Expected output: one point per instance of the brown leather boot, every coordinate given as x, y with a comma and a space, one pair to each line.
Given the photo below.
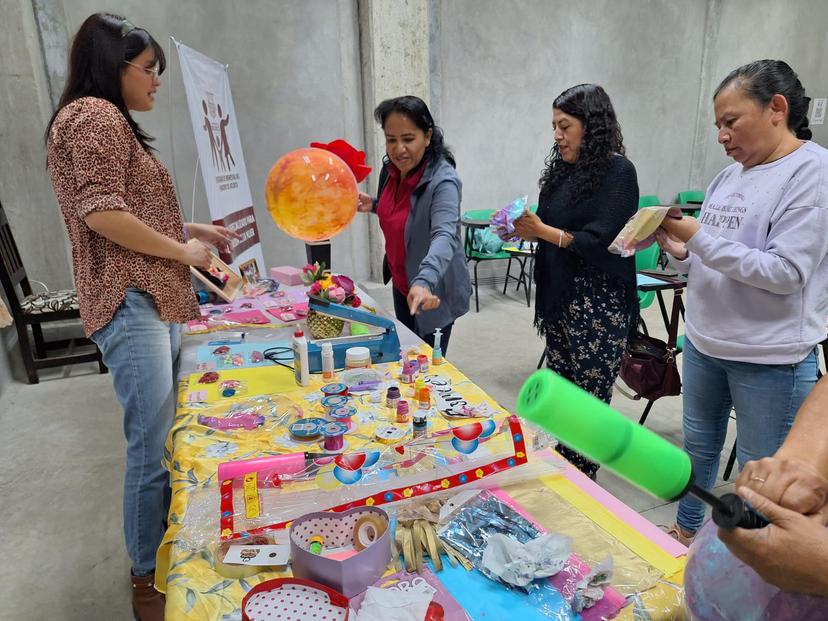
147, 603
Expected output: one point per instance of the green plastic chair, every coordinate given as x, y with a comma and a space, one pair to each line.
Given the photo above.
647, 259
691, 196
472, 253
648, 200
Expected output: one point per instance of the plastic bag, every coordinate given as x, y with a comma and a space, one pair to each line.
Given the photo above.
639, 231
503, 220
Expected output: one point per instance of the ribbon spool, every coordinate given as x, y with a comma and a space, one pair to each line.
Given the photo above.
334, 401
334, 434
389, 434
307, 429
334, 389
343, 414
367, 530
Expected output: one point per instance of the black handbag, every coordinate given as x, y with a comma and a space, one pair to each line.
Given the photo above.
649, 366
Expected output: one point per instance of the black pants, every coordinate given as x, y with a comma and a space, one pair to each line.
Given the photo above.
585, 344
404, 315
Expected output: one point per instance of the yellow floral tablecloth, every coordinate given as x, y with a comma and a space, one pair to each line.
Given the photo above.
195, 591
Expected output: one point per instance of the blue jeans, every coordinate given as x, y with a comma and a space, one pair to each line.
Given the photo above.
765, 398
141, 352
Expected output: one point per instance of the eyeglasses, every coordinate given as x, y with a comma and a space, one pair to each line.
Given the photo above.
153, 71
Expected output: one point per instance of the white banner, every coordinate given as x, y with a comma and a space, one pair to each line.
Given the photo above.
220, 153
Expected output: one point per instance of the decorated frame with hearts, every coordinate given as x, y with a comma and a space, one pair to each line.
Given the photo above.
446, 461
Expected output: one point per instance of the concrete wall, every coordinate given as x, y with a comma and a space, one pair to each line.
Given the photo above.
502, 65
741, 31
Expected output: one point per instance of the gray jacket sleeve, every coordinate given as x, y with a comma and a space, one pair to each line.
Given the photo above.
445, 221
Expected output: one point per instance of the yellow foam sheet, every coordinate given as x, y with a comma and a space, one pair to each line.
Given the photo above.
255, 381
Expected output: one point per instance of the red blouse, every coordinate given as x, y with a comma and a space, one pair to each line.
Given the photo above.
393, 208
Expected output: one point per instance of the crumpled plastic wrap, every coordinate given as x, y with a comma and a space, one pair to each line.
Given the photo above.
503, 220
519, 564
591, 589
478, 520
639, 231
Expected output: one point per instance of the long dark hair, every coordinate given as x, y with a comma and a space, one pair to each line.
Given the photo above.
416, 110
762, 79
100, 48
590, 104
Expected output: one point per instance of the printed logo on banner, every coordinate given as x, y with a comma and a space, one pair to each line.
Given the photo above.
223, 170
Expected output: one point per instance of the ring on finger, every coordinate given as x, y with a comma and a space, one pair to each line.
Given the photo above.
755, 478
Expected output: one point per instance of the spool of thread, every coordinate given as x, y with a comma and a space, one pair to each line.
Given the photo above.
343, 414
307, 429
330, 390
334, 434
315, 544
422, 362
367, 530
424, 398
389, 434
357, 358
392, 397
402, 411
333, 402
408, 372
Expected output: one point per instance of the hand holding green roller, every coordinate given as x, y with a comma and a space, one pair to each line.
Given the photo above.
591, 427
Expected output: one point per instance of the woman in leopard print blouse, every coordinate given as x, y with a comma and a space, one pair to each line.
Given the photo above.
130, 256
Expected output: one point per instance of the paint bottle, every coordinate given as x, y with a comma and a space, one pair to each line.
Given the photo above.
424, 398
301, 370
422, 361
392, 397
437, 352
408, 372
420, 423
419, 384
327, 362
402, 411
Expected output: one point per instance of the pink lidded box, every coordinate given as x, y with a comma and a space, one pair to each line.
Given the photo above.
286, 275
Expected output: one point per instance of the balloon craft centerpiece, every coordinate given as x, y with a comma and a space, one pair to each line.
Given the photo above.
312, 193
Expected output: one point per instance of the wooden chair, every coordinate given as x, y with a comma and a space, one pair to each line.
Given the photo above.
34, 309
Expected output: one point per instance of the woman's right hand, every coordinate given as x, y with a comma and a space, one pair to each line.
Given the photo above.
365, 203
195, 253
671, 245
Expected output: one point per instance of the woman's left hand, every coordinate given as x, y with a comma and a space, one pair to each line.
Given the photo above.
529, 226
218, 236
681, 228
421, 299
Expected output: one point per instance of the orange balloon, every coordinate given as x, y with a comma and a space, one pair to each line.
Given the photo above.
311, 194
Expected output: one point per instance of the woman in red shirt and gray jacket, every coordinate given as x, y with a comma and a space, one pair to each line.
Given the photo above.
418, 205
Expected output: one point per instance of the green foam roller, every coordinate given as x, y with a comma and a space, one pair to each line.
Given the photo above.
588, 425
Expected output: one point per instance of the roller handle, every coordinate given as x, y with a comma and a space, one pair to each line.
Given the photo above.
733, 512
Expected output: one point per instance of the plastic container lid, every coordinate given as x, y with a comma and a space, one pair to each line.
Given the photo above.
357, 357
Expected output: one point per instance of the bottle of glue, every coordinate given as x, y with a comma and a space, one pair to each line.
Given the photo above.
301, 369
437, 352
327, 362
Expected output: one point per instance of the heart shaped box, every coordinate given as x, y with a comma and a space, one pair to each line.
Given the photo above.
352, 575
289, 599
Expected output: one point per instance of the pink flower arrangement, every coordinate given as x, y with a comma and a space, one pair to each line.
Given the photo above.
337, 288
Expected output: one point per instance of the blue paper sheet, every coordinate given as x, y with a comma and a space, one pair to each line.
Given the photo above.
487, 600
208, 361
644, 280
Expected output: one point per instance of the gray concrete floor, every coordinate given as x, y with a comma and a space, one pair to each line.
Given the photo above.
62, 461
